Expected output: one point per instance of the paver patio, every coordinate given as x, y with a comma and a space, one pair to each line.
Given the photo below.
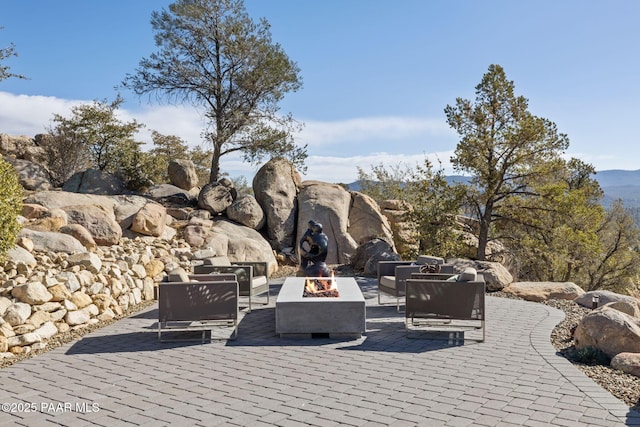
122, 375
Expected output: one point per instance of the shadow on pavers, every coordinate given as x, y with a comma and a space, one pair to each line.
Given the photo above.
124, 343
385, 332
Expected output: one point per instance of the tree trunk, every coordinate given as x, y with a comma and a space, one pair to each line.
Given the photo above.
215, 170
214, 176
483, 232
483, 236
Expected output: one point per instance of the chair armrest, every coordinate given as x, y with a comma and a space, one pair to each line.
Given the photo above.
402, 273
388, 268
244, 274
260, 268
432, 276
214, 277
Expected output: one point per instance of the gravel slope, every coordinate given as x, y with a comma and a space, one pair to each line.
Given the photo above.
623, 386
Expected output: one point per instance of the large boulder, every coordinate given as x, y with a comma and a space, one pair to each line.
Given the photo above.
32, 176
81, 234
182, 174
59, 199
242, 243
628, 363
52, 220
23, 147
404, 232
496, 276
18, 254
626, 307
245, 210
366, 221
495, 250
542, 291
171, 194
608, 330
329, 205
604, 297
367, 256
197, 231
123, 206
276, 186
216, 197
32, 211
99, 221
94, 181
52, 241
150, 220
11, 145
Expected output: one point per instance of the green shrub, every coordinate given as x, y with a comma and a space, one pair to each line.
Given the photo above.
10, 206
590, 356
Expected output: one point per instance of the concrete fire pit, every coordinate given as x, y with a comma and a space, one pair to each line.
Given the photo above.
304, 317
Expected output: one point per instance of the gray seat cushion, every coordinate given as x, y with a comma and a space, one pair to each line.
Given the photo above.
258, 281
388, 281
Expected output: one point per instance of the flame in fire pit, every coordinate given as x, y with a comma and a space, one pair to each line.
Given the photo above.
321, 287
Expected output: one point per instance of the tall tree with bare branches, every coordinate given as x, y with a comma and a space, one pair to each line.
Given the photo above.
213, 55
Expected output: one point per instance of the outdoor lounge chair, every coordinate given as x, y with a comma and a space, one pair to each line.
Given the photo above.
252, 276
197, 306
392, 275
456, 304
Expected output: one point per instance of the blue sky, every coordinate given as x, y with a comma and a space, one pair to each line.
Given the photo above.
377, 75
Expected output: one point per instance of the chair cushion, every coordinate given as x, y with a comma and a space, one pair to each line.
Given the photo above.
258, 281
388, 281
468, 275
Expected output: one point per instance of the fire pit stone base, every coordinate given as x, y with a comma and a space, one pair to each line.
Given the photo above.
303, 317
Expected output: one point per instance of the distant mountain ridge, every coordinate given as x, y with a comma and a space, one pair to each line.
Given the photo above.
620, 184
616, 184
617, 177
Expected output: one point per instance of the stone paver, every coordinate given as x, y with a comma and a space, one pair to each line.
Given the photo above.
122, 375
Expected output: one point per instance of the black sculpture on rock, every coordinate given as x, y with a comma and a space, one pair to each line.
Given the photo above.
313, 251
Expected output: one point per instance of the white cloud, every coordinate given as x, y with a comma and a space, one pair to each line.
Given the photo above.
30, 115
323, 133
182, 121
344, 169
336, 169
